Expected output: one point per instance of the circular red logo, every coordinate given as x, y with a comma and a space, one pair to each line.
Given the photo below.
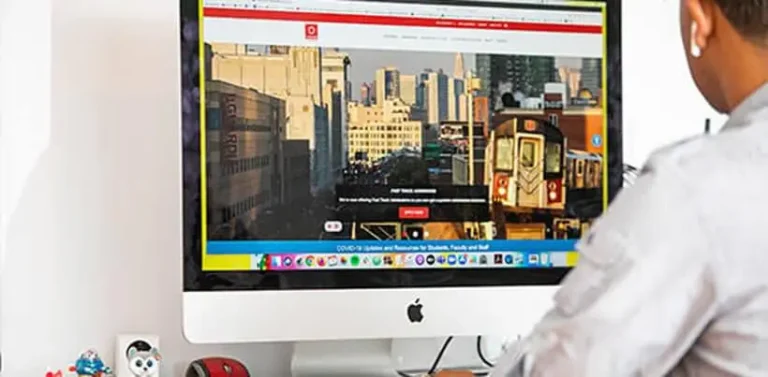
310, 31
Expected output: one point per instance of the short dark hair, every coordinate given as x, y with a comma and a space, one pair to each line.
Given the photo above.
749, 17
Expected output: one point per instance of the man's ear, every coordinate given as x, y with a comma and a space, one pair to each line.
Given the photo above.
702, 15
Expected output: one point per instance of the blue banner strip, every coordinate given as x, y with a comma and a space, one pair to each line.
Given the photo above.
333, 246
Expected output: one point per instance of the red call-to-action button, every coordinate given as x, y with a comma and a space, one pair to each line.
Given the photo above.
414, 213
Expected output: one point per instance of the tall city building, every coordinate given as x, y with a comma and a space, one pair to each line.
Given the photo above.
244, 163
592, 75
456, 88
408, 89
376, 131
336, 110
296, 171
521, 73
483, 68
458, 65
335, 81
365, 94
208, 58
387, 84
297, 73
480, 109
373, 91
296, 78
571, 77
421, 89
436, 96
463, 108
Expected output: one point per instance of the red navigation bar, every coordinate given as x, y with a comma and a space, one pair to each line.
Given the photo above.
364, 19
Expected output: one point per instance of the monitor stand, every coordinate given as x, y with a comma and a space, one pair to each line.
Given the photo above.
382, 358
343, 358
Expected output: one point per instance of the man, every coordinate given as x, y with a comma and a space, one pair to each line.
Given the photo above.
673, 279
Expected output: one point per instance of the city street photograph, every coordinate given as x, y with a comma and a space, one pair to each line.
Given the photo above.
333, 143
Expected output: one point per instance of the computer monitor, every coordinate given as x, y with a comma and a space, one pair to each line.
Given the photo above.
383, 169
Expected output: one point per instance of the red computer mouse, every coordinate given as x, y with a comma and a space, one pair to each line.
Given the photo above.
217, 367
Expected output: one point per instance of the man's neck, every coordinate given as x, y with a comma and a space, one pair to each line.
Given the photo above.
750, 73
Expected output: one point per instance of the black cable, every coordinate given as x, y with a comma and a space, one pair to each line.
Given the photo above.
480, 353
441, 353
478, 374
439, 357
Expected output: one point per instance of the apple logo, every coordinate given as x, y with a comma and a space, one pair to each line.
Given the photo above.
414, 312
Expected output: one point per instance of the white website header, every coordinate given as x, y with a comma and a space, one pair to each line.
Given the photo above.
505, 13
316, 23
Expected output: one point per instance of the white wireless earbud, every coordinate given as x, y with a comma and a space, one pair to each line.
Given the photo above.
695, 49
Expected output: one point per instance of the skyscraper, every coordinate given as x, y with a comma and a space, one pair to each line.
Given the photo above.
571, 77
437, 97
387, 84
458, 66
455, 89
483, 68
365, 94
295, 78
335, 94
421, 89
408, 89
372, 92
592, 75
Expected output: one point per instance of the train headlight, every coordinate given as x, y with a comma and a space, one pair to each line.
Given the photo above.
500, 186
553, 192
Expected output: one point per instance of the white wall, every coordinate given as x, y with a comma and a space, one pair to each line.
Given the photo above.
93, 239
90, 207
661, 102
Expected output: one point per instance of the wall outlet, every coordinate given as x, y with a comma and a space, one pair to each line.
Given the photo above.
147, 347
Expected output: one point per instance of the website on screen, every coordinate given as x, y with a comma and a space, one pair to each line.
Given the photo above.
348, 134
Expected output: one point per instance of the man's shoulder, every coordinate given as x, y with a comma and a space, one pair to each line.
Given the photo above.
717, 182
671, 155
680, 164
707, 162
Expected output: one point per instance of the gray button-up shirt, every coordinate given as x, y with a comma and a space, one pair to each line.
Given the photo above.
673, 278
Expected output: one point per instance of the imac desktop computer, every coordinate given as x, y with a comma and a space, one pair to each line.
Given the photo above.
390, 169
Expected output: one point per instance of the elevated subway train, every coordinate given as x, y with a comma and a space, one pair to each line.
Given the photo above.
533, 176
584, 170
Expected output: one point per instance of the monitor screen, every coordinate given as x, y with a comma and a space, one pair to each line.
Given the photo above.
371, 144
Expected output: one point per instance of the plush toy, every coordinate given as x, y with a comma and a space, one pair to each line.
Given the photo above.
89, 364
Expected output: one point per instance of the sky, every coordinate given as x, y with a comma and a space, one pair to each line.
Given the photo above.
365, 62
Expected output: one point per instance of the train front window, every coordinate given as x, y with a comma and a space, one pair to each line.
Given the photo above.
553, 161
527, 153
505, 154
